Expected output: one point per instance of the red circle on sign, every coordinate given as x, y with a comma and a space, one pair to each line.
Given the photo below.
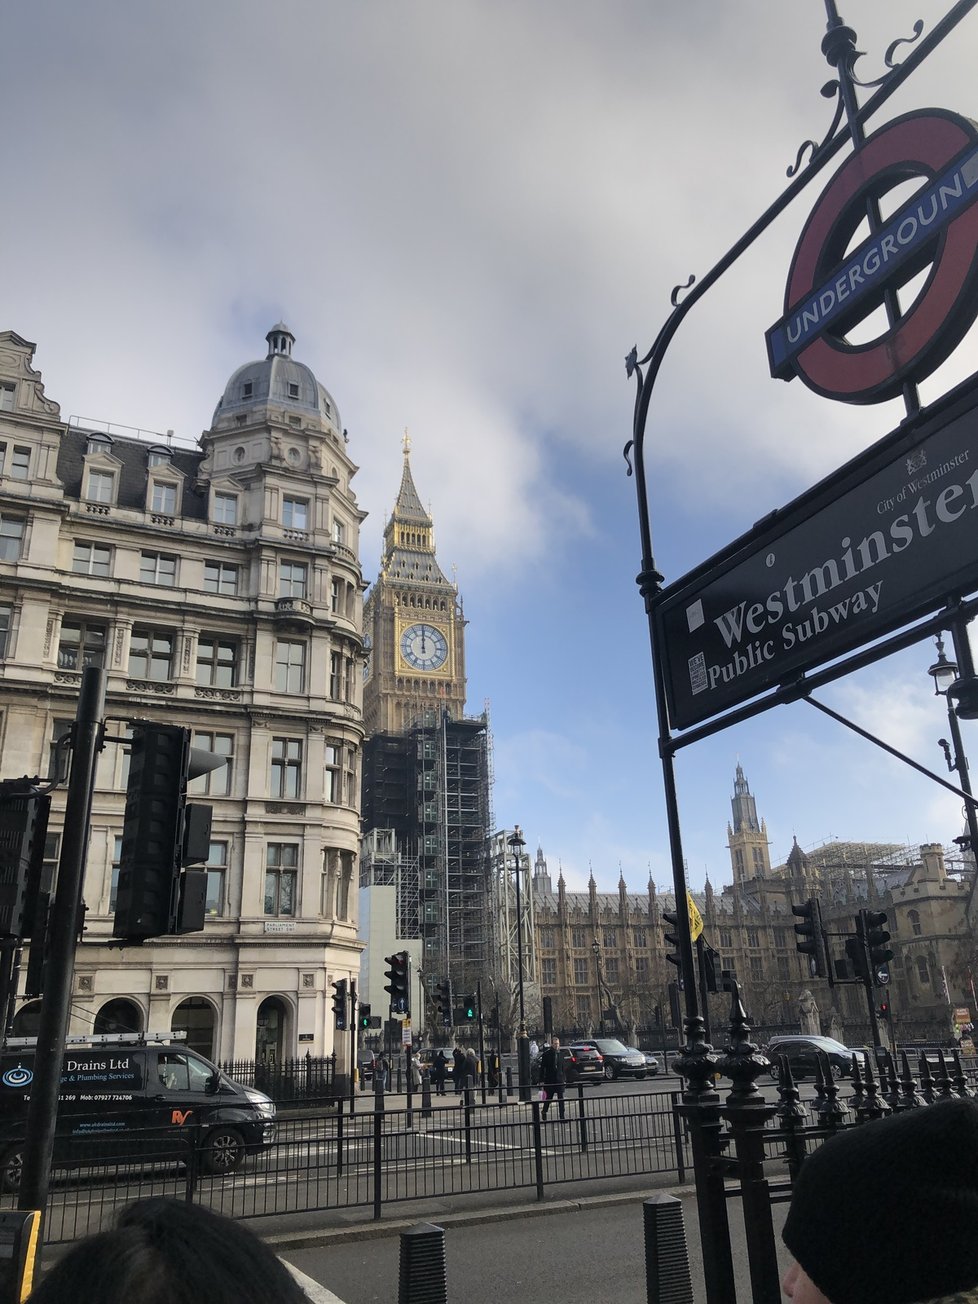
918, 144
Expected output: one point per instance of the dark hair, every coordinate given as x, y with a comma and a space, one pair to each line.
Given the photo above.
170, 1252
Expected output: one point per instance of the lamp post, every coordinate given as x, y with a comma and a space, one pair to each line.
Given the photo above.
948, 685
517, 844
596, 948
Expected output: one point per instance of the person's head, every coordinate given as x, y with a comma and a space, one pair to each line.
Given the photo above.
555, 1042
887, 1212
169, 1252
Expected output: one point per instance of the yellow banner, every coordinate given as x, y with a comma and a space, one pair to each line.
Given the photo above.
695, 918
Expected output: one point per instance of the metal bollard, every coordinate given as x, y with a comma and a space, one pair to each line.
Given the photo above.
509, 1080
422, 1267
667, 1276
426, 1094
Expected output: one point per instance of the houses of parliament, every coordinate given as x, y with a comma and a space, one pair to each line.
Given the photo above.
926, 894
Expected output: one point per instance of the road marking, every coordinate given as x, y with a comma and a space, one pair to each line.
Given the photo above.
313, 1290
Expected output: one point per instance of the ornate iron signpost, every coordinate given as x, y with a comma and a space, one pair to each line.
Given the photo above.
888, 540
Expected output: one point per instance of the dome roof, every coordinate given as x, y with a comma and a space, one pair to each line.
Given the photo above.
278, 381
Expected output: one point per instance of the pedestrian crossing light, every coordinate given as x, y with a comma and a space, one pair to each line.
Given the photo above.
340, 1004
364, 1015
470, 1009
397, 982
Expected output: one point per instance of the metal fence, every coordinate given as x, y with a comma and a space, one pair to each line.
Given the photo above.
337, 1159
286, 1081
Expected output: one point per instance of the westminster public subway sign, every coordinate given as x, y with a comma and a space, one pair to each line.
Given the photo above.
877, 544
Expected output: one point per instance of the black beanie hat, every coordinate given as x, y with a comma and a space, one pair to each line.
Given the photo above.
887, 1212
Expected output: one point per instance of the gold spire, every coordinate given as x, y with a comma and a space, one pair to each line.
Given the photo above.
406, 442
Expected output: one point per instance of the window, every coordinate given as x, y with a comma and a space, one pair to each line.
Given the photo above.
292, 579
216, 783
247, 389
583, 1010
611, 937
352, 787
59, 759
753, 937
158, 568
640, 937
293, 389
333, 752
611, 968
335, 675
281, 869
52, 853
546, 936
726, 939
217, 661
91, 558
286, 779
158, 457
577, 937
783, 974
295, 513
641, 966
164, 498
217, 864
335, 595
6, 616
82, 644
338, 532
220, 578
8, 393
226, 509
739, 859
18, 466
580, 972
114, 881
11, 537
914, 917
151, 654
181, 1073
923, 973
756, 969
548, 972
101, 485
290, 666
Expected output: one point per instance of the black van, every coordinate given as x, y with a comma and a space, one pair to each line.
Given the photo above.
137, 1099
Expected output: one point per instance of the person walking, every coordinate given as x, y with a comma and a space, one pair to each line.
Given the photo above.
552, 1077
415, 1072
439, 1072
887, 1212
471, 1068
458, 1069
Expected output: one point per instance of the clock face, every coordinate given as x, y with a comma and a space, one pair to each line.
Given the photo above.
424, 647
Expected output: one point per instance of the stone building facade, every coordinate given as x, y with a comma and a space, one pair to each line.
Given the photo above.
218, 584
749, 923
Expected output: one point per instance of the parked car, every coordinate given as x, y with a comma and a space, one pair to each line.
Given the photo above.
582, 1063
651, 1060
801, 1054
620, 1061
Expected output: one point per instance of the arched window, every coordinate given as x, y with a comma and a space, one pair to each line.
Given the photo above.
119, 1015
923, 973
195, 1017
914, 917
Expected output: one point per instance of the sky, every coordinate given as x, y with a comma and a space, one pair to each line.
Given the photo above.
468, 212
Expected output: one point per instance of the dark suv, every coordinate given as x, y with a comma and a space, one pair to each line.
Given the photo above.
620, 1061
582, 1063
802, 1052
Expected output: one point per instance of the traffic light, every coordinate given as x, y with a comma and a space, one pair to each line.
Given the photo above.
443, 995
397, 982
876, 936
675, 1009
810, 940
856, 951
710, 958
469, 1009
23, 827
672, 939
340, 1004
162, 834
364, 1018
884, 1009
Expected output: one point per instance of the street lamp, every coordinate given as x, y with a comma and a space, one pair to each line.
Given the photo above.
948, 685
596, 948
517, 844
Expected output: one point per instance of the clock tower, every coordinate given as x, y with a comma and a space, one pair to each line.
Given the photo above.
413, 625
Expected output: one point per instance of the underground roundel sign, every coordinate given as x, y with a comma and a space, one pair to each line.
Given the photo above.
846, 267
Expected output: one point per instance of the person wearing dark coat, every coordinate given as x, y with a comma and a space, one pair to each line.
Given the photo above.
439, 1071
552, 1077
458, 1069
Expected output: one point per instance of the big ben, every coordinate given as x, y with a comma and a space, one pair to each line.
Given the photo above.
413, 624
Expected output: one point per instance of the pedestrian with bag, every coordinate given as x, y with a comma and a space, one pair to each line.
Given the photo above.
439, 1072
552, 1077
458, 1069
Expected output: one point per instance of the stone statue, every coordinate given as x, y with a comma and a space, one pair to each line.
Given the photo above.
836, 1029
808, 1015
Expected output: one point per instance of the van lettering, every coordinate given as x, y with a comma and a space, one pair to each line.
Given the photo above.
180, 1116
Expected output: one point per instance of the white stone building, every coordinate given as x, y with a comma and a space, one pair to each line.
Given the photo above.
219, 585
